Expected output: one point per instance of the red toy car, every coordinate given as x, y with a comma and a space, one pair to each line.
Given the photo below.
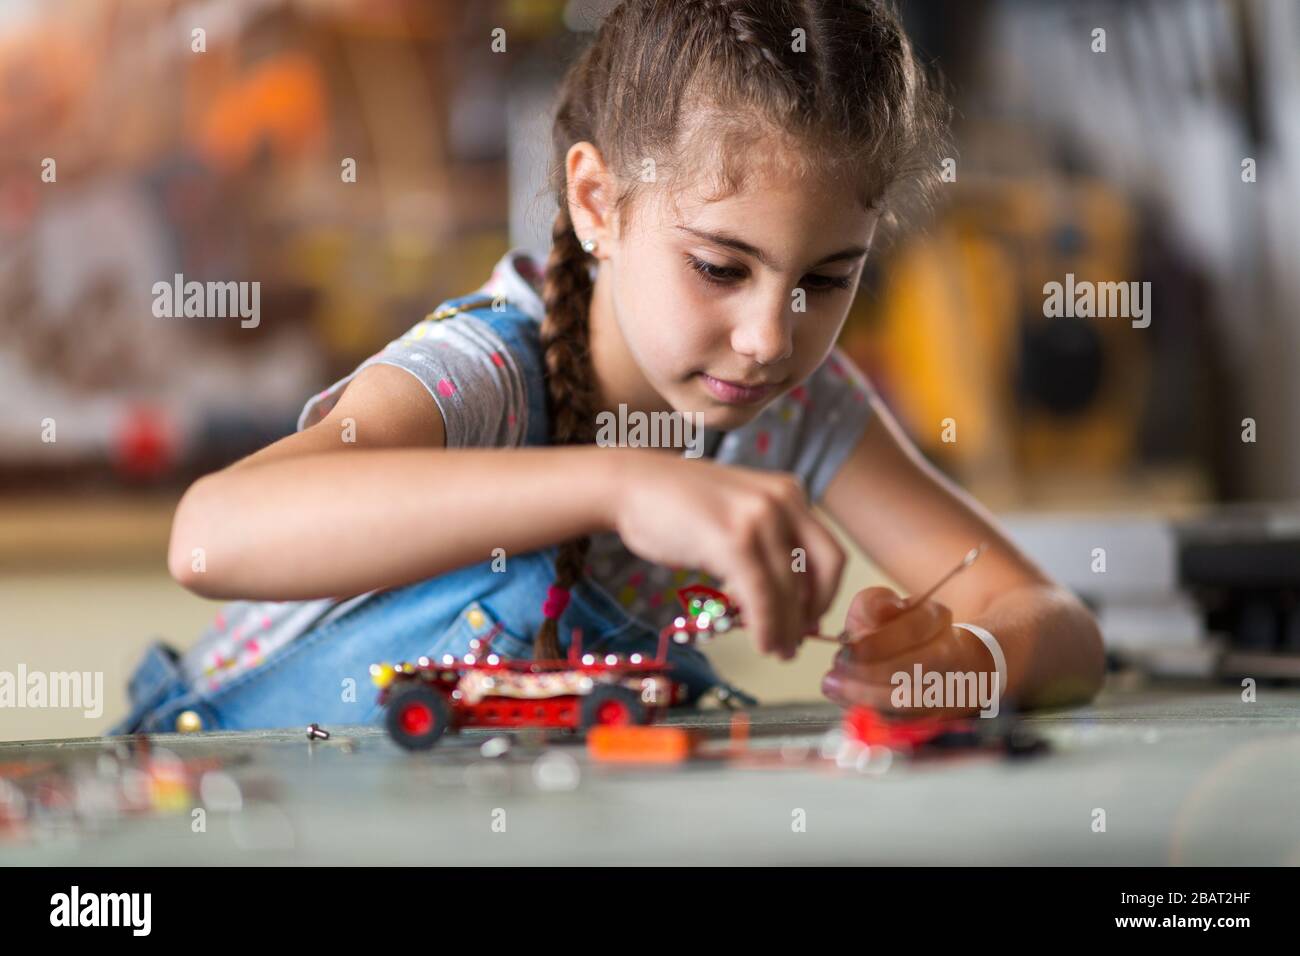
871, 728
426, 699
926, 734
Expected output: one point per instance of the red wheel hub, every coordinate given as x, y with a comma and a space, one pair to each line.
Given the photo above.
417, 719
612, 712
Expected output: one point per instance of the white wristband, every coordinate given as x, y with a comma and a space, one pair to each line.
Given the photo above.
999, 659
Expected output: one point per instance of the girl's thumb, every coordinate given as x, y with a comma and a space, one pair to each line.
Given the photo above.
872, 607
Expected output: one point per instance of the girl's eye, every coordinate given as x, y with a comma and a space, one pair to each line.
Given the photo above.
827, 283
721, 275
718, 275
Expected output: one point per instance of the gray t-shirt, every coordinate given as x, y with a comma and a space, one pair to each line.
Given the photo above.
479, 388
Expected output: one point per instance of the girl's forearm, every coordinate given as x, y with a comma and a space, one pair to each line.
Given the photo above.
335, 524
1053, 649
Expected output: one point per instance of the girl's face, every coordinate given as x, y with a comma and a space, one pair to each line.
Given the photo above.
750, 290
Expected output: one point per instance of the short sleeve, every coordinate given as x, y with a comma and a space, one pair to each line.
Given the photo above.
470, 372
811, 429
838, 409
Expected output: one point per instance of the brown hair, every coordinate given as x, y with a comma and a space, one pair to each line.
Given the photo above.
694, 85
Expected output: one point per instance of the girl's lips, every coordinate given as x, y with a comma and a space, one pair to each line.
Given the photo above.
735, 394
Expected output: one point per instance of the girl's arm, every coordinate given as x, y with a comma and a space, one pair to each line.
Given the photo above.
915, 524
314, 515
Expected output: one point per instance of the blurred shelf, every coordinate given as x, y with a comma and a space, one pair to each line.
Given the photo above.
1173, 492
43, 533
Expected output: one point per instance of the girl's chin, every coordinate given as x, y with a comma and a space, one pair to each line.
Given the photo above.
722, 417
716, 417
727, 419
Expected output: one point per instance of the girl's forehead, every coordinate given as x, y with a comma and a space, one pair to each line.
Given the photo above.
784, 194
748, 146
752, 180
782, 229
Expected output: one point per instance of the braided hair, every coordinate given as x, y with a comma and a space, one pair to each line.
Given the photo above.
570, 395
704, 88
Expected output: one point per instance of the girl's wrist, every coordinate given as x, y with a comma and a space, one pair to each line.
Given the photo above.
984, 648
613, 474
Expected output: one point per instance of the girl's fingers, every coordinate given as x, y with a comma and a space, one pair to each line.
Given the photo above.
906, 631
825, 560
846, 690
879, 673
872, 608
775, 545
748, 580
941, 654
779, 602
813, 586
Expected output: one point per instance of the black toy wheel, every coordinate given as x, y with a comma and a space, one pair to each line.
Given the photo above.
612, 705
417, 716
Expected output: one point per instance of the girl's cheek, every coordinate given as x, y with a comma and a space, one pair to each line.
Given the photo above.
813, 343
664, 342
689, 322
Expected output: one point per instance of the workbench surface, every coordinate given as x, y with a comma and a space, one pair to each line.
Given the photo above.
1186, 774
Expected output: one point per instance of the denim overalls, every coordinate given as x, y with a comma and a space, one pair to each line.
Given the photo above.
322, 676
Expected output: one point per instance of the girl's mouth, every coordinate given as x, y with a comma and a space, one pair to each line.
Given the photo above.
734, 394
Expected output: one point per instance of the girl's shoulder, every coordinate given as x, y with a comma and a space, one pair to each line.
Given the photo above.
811, 429
478, 357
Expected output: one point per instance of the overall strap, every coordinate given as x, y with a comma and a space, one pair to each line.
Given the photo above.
522, 335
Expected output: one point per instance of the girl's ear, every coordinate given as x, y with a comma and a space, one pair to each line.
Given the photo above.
590, 192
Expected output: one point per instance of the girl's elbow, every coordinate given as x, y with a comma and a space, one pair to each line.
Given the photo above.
1095, 655
1078, 668
1090, 654
186, 572
186, 551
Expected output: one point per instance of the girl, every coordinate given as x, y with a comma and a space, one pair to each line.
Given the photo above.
720, 168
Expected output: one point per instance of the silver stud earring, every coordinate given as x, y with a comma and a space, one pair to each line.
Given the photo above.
589, 245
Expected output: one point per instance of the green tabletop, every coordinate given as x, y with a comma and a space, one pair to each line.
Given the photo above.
1185, 774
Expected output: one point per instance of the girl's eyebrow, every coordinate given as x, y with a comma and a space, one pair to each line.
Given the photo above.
740, 245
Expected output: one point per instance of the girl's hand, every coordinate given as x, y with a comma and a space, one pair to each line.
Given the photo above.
741, 525
896, 639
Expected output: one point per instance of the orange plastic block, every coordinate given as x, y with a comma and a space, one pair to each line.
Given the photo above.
633, 744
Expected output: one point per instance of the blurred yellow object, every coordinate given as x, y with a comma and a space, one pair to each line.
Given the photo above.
169, 791
950, 326
381, 675
188, 722
948, 309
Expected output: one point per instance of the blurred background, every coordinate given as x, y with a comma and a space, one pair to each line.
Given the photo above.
1153, 469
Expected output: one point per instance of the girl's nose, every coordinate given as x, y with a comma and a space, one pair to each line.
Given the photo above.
765, 333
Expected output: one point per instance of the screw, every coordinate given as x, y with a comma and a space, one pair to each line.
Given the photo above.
315, 732
1020, 743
